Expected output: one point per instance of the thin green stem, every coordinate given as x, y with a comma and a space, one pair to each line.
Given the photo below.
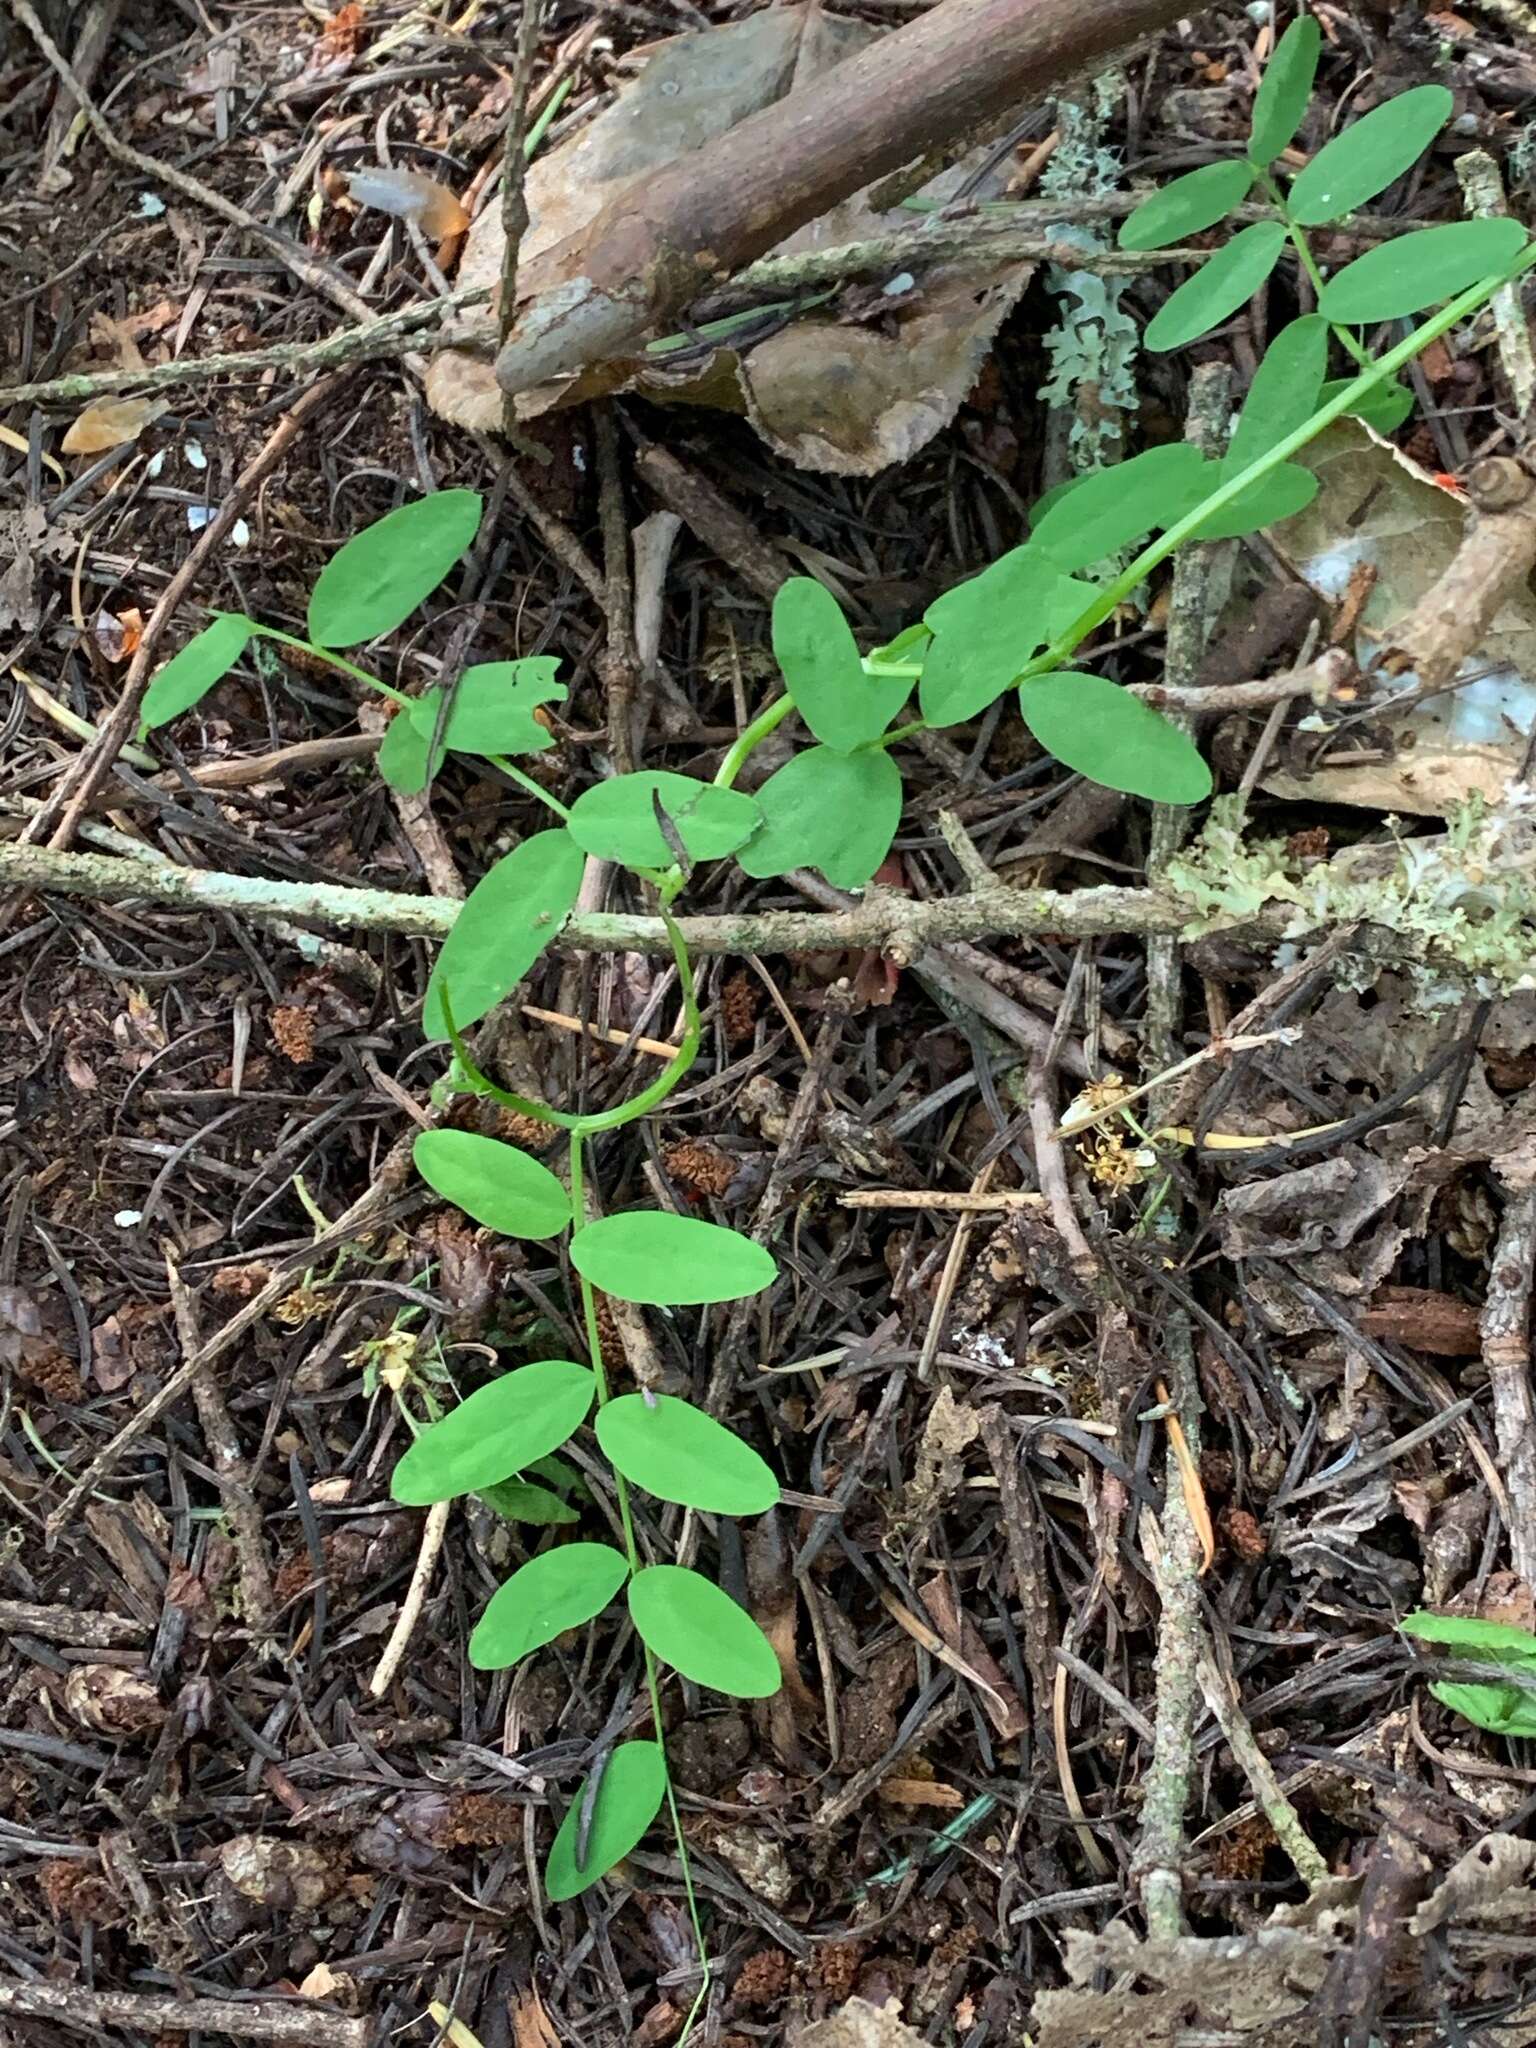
526, 781
334, 660
1303, 248
632, 1554
752, 736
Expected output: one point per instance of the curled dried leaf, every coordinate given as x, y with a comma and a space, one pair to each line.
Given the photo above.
109, 423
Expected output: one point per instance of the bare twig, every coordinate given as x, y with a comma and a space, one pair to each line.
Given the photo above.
1483, 190
1506, 1337
1221, 1696
302, 2024
433, 1530
85, 1627
980, 1202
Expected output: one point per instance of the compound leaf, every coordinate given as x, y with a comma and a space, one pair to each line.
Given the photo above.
524, 1415
630, 1789
835, 812
510, 916
1092, 725
689, 1623
557, 1590
679, 1453
667, 1261
819, 657
496, 1184
1369, 156
380, 576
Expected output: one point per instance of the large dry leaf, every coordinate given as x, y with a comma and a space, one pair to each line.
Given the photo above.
109, 423
829, 395
1374, 509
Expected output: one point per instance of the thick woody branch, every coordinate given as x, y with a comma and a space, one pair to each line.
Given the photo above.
1451, 619
305, 2025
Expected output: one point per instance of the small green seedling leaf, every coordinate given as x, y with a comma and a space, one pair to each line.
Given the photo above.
1109, 509
1419, 270
190, 675
1490, 1642
384, 572
616, 820
507, 921
1225, 281
629, 1795
494, 1183
1369, 156
516, 1500
524, 1415
557, 1590
1285, 390
679, 1453
1187, 206
835, 812
987, 629
1282, 492
819, 659
1092, 725
910, 644
688, 1622
1385, 405
493, 707
1284, 90
1501, 1709
667, 1261
405, 754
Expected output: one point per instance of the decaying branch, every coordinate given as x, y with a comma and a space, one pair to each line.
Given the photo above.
1451, 619
301, 2024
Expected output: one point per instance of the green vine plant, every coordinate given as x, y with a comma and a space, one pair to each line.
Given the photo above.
834, 805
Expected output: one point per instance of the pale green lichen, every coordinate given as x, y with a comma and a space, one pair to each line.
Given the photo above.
1461, 906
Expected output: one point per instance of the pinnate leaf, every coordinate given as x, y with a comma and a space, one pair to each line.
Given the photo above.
679, 1453
496, 1184
987, 629
524, 1415
1092, 725
509, 918
1284, 90
191, 674
1187, 206
1225, 281
1285, 390
1369, 156
629, 1795
688, 1622
380, 576
1420, 269
835, 812
667, 1261
819, 659
493, 706
557, 1590
1111, 508
616, 820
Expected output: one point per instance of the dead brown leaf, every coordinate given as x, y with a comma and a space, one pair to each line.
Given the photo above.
110, 423
407, 195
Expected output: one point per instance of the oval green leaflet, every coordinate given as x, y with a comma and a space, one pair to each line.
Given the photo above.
1419, 270
1109, 509
689, 1623
987, 629
1385, 406
499, 1430
666, 1261
380, 576
1101, 730
616, 820
190, 675
819, 659
1369, 156
493, 707
405, 755
1284, 391
518, 1500
510, 916
835, 812
557, 1590
679, 1453
1187, 206
1225, 281
630, 1788
1284, 491
1284, 90
494, 1183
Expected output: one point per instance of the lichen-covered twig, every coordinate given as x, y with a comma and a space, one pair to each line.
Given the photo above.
1483, 190
1506, 1320
301, 2024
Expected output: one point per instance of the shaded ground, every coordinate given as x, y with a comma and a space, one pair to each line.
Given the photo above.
971, 1412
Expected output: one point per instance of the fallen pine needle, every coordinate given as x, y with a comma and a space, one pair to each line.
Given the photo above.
656, 1047
1194, 1492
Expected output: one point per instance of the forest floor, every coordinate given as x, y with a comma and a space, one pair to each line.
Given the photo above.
1114, 1465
